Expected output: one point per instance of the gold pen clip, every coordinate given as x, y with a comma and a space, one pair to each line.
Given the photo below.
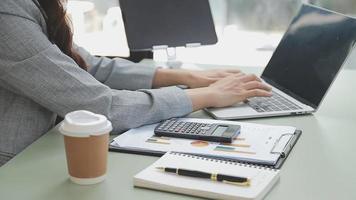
214, 177
247, 183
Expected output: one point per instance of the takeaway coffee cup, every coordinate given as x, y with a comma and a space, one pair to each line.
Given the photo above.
86, 137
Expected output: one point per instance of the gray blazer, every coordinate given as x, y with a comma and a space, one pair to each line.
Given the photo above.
39, 82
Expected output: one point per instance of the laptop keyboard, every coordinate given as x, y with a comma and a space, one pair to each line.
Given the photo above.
274, 103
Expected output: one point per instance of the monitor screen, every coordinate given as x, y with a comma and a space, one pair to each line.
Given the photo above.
173, 23
311, 53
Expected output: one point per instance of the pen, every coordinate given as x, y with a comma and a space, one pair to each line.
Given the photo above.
236, 180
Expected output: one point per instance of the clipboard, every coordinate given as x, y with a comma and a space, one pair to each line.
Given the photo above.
283, 155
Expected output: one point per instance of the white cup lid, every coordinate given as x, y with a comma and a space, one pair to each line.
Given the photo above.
84, 123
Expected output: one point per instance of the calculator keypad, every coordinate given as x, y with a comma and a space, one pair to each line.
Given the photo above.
182, 127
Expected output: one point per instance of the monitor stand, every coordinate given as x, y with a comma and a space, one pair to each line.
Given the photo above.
172, 61
171, 55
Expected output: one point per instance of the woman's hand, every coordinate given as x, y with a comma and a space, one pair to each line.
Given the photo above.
190, 78
197, 79
228, 91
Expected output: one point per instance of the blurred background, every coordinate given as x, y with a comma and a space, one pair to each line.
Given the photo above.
248, 30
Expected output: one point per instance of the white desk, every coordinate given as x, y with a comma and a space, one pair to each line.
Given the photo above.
321, 165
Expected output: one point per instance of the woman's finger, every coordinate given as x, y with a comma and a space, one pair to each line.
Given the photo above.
248, 78
239, 74
233, 71
257, 93
224, 74
256, 85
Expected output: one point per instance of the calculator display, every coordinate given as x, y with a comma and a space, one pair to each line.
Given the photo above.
219, 130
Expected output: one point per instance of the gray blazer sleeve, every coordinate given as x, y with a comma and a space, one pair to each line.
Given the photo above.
33, 67
118, 73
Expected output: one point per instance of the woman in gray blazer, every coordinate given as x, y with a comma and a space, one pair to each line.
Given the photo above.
42, 75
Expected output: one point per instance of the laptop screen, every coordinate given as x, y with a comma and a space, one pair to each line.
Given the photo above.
311, 53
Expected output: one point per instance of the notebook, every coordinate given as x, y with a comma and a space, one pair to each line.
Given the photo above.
262, 179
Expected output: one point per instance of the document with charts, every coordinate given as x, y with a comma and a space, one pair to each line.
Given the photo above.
258, 144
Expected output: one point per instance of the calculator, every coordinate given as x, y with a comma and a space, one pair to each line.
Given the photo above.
200, 131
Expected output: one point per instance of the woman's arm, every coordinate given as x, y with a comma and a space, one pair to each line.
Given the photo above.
123, 74
33, 67
118, 73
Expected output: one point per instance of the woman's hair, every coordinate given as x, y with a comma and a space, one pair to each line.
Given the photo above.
59, 30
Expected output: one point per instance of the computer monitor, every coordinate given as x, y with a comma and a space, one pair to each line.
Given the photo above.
170, 23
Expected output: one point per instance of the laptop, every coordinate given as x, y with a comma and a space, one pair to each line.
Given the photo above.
303, 66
